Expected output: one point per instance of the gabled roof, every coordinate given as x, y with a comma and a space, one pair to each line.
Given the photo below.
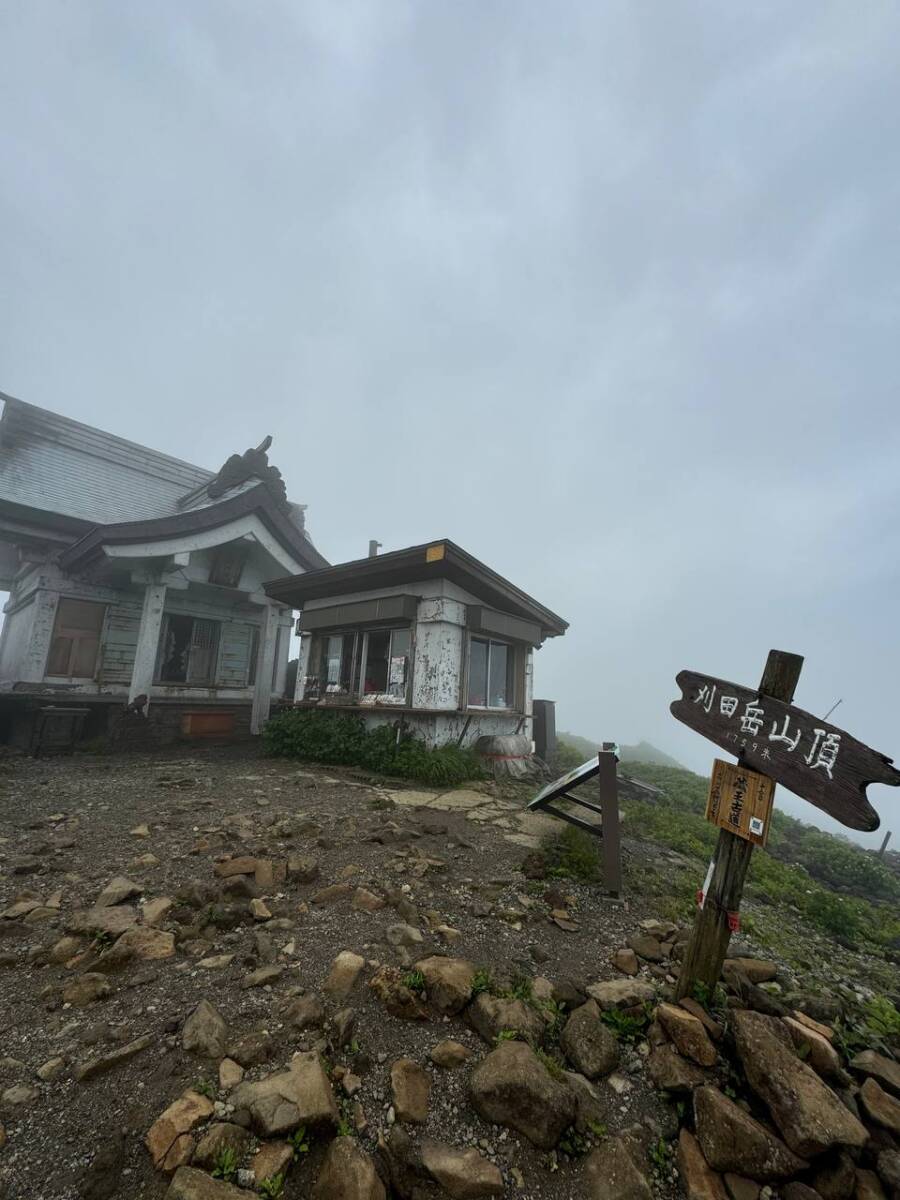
257, 500
441, 559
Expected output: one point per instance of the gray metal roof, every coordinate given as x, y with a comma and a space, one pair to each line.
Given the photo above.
60, 466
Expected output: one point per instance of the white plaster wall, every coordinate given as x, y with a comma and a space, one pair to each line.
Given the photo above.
15, 640
439, 730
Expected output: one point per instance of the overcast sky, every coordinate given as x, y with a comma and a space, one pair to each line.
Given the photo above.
607, 293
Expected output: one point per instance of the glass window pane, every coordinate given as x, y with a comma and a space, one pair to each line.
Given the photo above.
499, 676
331, 663
478, 660
377, 661
399, 665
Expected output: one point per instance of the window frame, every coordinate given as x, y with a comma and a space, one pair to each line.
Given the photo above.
359, 658
76, 637
514, 698
187, 682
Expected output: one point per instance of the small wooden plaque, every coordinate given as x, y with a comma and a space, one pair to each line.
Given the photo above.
740, 801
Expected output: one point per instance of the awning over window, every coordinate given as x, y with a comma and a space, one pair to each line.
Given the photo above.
385, 611
487, 620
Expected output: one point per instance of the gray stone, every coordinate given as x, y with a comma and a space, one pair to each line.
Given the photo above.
613, 1175
205, 1032
588, 1044
117, 891
301, 1095
347, 1173
463, 1174
512, 1087
621, 993
491, 1015
731, 1140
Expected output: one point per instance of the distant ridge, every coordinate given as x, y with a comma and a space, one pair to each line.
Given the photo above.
643, 752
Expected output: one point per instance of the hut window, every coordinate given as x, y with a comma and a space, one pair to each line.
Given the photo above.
491, 682
76, 638
189, 649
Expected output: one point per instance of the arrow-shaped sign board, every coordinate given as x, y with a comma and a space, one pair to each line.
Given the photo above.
817, 761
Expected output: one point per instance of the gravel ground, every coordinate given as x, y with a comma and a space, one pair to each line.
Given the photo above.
68, 827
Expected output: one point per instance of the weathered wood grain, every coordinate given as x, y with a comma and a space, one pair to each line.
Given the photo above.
815, 760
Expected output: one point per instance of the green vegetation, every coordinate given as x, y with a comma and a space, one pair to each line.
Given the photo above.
835, 885
342, 739
226, 1164
580, 749
272, 1188
506, 1035
573, 854
205, 1088
414, 980
628, 1027
300, 1141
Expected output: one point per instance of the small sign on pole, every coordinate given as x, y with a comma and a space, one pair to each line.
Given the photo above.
740, 801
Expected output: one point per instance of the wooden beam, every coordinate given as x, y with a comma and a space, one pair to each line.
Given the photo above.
708, 946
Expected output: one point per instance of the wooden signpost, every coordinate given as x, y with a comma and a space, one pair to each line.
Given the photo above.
778, 743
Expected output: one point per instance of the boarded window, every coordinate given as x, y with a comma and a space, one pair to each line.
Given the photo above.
228, 564
76, 638
188, 649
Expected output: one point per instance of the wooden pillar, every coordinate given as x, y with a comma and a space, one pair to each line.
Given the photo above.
708, 946
148, 642
609, 805
265, 668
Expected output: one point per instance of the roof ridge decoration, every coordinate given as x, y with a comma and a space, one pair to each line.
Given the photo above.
252, 464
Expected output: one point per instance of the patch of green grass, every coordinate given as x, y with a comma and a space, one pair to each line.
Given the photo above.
206, 1088
507, 1035
226, 1164
481, 982
627, 1026
272, 1188
300, 1141
551, 1064
573, 854
414, 980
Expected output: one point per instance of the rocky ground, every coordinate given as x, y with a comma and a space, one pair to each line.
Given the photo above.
212, 965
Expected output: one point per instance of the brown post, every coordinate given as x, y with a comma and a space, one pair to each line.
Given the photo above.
609, 807
884, 844
711, 933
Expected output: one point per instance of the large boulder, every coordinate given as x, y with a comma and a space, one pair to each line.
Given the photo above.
808, 1114
512, 1087
672, 1073
448, 982
463, 1174
347, 1174
218, 1138
612, 1174
301, 1095
205, 1032
491, 1015
411, 1089
588, 1044
817, 1049
732, 1140
399, 1000
141, 943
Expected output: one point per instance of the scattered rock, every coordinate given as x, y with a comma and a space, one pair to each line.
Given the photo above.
271, 1159
303, 869
19, 1095
85, 989
153, 912
868, 1186
672, 1073
613, 1175
169, 1138
260, 911
411, 1089
108, 1062
512, 1087
305, 1011
448, 982
621, 993
101, 1178
732, 1140
235, 866
889, 1169
756, 969
449, 1054
366, 901
140, 942
347, 1173
808, 1114
252, 1049
344, 974
262, 976
402, 935
713, 1028
301, 1095
688, 1034
230, 1074
626, 962
835, 1179
399, 1000
885, 1070
463, 1174
108, 921
821, 1055
219, 1137
740, 1188
491, 1015
880, 1106
117, 891
588, 1044
646, 947
699, 1180
205, 1032
190, 1184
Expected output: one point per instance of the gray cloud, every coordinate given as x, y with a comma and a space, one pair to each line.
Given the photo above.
608, 294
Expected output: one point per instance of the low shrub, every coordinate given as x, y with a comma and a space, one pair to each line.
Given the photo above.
342, 739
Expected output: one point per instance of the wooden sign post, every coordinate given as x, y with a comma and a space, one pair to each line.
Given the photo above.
708, 946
